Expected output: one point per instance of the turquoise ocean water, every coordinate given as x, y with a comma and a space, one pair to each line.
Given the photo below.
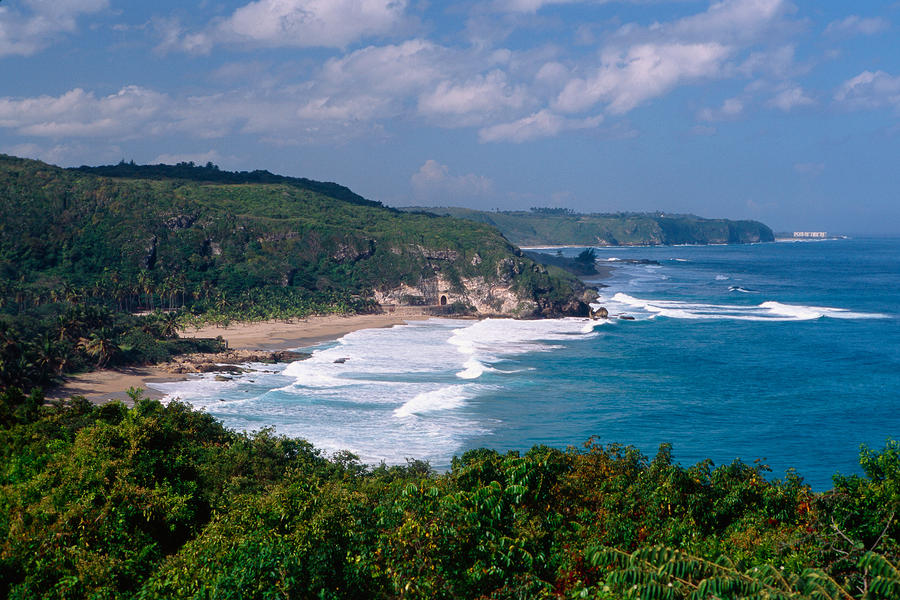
786, 352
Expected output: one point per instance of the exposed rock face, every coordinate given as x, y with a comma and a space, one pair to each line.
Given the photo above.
150, 257
352, 252
482, 297
180, 222
430, 254
229, 361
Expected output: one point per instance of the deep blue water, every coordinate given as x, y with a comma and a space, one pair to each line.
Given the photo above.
787, 352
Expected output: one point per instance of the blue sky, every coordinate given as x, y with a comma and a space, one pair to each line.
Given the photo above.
787, 112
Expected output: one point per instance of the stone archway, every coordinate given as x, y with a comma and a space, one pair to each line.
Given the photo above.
443, 300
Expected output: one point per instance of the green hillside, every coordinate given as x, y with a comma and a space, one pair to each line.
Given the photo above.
218, 246
192, 231
559, 227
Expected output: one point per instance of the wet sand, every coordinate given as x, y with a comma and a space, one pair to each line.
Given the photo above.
113, 384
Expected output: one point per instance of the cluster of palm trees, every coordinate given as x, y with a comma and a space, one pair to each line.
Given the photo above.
36, 352
47, 331
143, 291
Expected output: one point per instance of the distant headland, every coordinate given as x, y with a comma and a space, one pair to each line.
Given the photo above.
561, 226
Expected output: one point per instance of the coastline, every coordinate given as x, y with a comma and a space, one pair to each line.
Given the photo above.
113, 384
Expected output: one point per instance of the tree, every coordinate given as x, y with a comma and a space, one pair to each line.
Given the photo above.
100, 345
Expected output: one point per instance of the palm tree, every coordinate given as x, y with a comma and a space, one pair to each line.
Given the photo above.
145, 284
100, 345
169, 324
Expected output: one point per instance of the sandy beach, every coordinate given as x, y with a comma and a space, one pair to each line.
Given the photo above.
113, 384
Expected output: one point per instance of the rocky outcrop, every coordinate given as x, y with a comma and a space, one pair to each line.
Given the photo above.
483, 297
149, 259
354, 251
229, 361
180, 222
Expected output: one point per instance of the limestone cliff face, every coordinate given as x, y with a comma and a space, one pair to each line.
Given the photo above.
476, 294
482, 297
491, 283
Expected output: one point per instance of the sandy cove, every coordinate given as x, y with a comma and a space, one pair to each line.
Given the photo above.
268, 336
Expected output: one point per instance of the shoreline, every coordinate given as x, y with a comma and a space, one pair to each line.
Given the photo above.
113, 384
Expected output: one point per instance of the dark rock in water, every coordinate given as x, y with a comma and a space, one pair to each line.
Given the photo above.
289, 356
600, 313
214, 368
340, 361
626, 317
222, 378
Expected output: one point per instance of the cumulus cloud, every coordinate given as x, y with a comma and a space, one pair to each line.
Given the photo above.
856, 25
538, 125
790, 98
434, 184
79, 113
32, 25
471, 101
643, 72
642, 63
509, 95
870, 90
736, 21
298, 23
530, 6
731, 109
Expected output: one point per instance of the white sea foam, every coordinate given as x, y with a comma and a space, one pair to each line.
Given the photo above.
492, 340
622, 303
722, 277
385, 394
445, 398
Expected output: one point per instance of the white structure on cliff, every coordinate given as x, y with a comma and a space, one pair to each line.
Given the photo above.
809, 234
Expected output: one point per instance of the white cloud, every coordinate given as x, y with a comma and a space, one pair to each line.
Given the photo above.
298, 23
870, 90
538, 125
34, 24
433, 183
78, 113
731, 109
790, 98
645, 71
733, 21
471, 101
856, 25
530, 6
641, 63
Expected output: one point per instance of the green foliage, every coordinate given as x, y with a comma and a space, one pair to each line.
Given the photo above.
550, 226
162, 502
83, 250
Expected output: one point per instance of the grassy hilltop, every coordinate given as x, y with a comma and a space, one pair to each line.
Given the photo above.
549, 226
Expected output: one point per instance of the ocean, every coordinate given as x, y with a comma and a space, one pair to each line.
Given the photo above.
784, 352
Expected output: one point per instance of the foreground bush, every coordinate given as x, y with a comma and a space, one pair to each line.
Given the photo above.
163, 502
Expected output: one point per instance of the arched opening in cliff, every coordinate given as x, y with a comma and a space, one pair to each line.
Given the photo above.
443, 300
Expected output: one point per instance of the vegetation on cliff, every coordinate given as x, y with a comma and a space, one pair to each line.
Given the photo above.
163, 502
218, 246
547, 226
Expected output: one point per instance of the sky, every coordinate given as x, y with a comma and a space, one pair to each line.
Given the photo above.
786, 112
